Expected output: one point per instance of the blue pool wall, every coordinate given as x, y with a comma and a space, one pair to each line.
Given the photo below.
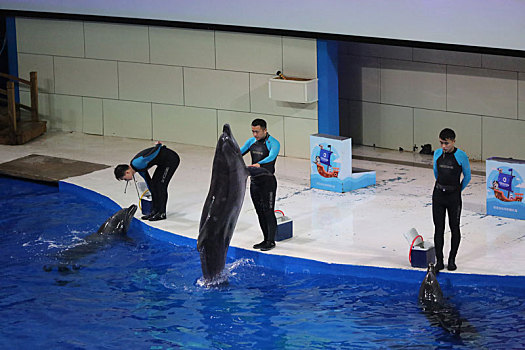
290, 265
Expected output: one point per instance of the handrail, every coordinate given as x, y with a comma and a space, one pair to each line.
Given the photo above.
12, 105
12, 77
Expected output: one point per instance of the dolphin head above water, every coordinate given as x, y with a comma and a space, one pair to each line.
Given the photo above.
118, 223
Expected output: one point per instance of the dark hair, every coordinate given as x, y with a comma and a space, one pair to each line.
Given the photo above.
447, 134
120, 171
259, 122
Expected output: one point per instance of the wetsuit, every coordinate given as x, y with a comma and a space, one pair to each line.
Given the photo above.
447, 197
167, 162
263, 188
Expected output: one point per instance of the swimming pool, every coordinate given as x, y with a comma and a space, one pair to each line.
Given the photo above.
144, 294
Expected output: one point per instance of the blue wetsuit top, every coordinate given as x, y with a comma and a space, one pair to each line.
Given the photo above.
263, 152
449, 166
145, 160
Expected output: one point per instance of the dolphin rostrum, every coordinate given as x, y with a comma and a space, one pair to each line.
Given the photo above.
434, 305
223, 203
113, 228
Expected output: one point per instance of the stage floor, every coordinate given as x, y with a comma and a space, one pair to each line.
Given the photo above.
362, 227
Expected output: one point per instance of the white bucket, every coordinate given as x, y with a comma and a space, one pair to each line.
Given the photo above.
413, 238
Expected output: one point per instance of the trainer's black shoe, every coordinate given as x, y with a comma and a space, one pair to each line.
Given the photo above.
259, 245
451, 266
146, 217
268, 246
157, 217
439, 265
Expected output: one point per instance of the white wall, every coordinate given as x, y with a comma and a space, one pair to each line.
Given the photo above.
401, 96
164, 83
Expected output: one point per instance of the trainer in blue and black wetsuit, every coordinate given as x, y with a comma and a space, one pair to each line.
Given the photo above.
263, 149
167, 161
449, 163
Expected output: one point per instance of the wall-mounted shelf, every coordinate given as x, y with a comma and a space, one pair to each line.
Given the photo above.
293, 90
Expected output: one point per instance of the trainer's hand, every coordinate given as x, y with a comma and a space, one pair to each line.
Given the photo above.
157, 143
256, 165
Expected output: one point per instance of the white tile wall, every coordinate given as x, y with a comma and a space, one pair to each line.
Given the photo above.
248, 52
150, 83
44, 103
50, 37
190, 125
413, 84
93, 118
388, 126
127, 119
121, 42
428, 124
216, 89
43, 65
482, 91
168, 83
86, 77
182, 47
503, 138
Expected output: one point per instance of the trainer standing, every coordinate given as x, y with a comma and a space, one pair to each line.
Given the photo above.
263, 149
449, 163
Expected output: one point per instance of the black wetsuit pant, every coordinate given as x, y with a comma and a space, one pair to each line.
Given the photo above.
160, 180
262, 191
450, 203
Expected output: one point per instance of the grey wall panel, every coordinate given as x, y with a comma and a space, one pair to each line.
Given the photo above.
359, 78
300, 57
413, 84
428, 124
216, 89
182, 47
388, 126
503, 138
120, 42
93, 116
127, 119
86, 77
482, 91
50, 37
455, 58
42, 65
150, 83
248, 52
193, 126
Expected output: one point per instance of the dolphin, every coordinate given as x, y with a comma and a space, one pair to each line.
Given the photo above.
113, 228
434, 305
223, 204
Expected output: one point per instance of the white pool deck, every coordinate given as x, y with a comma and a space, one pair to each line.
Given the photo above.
362, 227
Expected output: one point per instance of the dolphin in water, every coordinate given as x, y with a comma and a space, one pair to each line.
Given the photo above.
113, 228
223, 204
434, 305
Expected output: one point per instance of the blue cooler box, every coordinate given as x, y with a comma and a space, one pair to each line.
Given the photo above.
422, 255
284, 228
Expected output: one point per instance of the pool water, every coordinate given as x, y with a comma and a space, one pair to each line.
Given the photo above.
144, 294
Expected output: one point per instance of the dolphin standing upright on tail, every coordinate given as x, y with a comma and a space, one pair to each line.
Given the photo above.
223, 203
434, 306
113, 228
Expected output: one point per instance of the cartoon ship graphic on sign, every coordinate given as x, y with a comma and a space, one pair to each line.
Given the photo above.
322, 161
504, 184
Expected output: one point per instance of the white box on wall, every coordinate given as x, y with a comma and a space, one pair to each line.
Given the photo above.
292, 90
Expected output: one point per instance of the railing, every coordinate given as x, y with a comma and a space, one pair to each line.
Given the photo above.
11, 103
